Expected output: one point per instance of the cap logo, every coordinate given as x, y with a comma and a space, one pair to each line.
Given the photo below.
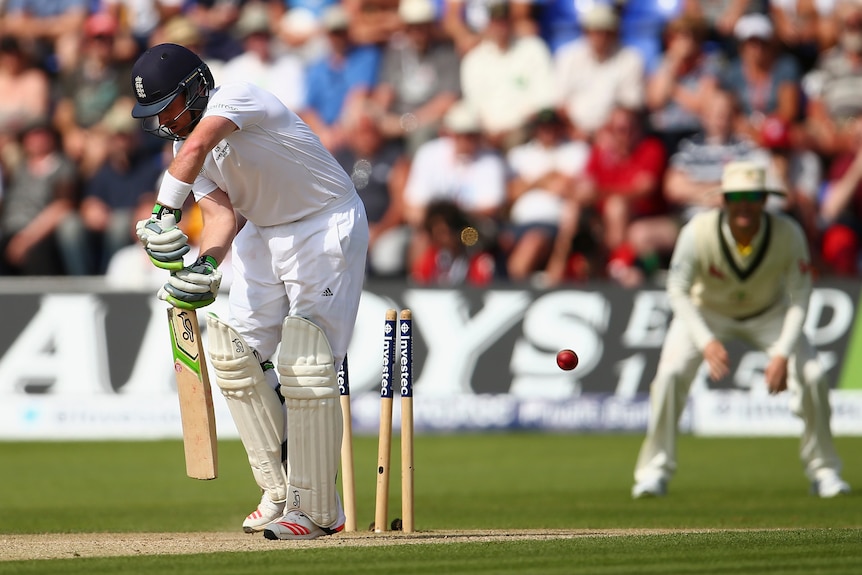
139, 87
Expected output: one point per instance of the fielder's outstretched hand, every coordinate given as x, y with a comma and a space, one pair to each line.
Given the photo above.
776, 374
193, 286
717, 360
164, 242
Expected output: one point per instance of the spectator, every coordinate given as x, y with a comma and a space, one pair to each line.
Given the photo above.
622, 185
464, 20
451, 257
339, 83
88, 91
695, 169
764, 80
283, 75
722, 16
506, 78
48, 30
595, 73
641, 26
127, 174
797, 172
419, 79
379, 171
215, 19
683, 81
834, 85
300, 29
140, 18
372, 21
456, 167
841, 211
42, 194
798, 27
543, 173
24, 96
183, 31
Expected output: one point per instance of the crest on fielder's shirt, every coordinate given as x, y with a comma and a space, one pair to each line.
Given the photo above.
715, 272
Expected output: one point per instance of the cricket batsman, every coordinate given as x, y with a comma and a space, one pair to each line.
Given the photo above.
739, 272
270, 192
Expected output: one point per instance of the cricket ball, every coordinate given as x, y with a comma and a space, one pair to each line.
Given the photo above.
567, 359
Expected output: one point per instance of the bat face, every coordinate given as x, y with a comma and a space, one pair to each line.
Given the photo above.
193, 390
185, 334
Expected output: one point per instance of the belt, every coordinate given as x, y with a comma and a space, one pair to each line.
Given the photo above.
758, 313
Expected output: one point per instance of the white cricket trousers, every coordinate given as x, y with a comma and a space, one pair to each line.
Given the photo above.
680, 359
313, 268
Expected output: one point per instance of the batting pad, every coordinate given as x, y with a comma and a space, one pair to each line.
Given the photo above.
254, 405
310, 390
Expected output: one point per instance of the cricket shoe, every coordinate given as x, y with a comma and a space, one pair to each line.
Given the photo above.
297, 525
649, 488
829, 484
267, 512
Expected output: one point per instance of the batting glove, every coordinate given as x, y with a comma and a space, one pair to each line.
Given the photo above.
163, 241
193, 286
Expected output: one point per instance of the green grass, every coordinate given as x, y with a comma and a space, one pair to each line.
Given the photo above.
509, 482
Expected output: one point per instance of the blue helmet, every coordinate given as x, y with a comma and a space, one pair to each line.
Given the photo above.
159, 76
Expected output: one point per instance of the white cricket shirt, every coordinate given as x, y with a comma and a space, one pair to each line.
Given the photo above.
274, 168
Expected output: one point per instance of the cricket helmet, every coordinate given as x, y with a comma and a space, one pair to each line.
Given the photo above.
160, 75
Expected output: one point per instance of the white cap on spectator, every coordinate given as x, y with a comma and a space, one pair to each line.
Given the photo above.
254, 19
462, 118
299, 21
600, 17
181, 30
416, 11
753, 26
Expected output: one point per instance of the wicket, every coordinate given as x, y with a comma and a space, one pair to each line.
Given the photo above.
403, 336
347, 480
404, 350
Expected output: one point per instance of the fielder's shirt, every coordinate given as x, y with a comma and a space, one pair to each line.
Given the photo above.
709, 272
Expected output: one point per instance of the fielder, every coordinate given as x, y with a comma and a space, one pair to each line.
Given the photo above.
299, 265
739, 272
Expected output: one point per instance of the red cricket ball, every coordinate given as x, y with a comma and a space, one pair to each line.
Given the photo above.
567, 359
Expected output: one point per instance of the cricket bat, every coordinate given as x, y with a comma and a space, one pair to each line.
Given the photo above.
193, 389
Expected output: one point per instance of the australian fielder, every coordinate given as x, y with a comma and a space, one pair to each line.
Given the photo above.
739, 272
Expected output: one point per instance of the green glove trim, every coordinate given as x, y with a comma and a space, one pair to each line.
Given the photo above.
173, 266
190, 305
159, 210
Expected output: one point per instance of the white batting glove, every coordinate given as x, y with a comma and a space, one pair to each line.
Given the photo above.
193, 286
164, 242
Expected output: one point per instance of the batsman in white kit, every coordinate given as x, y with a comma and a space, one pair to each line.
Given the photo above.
739, 272
270, 192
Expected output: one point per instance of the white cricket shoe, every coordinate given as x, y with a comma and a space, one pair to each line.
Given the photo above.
297, 525
829, 484
649, 488
267, 512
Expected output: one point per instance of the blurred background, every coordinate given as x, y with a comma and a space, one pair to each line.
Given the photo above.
526, 167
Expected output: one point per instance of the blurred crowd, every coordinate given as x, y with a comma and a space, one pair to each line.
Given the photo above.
540, 141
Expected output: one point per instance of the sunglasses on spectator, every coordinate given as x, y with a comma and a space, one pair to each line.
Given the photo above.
753, 197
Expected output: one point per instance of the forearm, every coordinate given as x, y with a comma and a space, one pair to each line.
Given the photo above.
840, 192
47, 220
220, 225
661, 85
185, 167
790, 331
